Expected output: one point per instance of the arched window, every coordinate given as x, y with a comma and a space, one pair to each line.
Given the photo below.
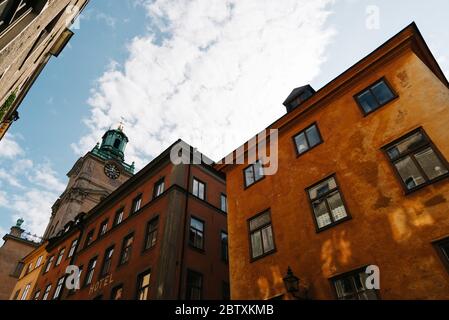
117, 143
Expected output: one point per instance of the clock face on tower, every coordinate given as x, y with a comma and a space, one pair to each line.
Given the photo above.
112, 171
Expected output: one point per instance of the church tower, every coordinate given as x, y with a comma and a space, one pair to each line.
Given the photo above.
92, 178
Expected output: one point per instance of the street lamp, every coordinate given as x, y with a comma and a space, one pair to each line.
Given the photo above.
292, 284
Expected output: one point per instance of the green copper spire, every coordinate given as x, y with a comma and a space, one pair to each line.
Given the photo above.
113, 146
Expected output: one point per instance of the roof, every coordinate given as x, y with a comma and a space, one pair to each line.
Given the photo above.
408, 38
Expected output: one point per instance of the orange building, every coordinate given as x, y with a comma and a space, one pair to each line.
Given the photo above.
361, 181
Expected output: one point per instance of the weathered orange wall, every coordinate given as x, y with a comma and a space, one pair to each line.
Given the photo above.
388, 228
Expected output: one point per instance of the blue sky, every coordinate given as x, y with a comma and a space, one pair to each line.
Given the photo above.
195, 70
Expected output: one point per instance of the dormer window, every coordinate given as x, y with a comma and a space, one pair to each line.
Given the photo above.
117, 143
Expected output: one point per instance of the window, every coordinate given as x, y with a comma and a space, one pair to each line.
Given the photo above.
261, 234
194, 286
351, 286
224, 246
226, 292
136, 204
117, 143
30, 268
103, 228
25, 292
59, 288
89, 238
327, 203
223, 203
199, 189
107, 261
61, 254
72, 248
416, 160
376, 96
118, 217
90, 271
16, 295
13, 10
117, 293
307, 139
126, 249
18, 269
443, 248
253, 173
158, 188
48, 265
46, 292
143, 286
38, 262
151, 237
37, 295
196, 234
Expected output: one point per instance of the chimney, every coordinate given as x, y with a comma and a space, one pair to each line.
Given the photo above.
298, 96
17, 231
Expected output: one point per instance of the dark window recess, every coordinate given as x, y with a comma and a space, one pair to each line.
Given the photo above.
226, 291
37, 295
89, 238
374, 97
103, 228
107, 261
307, 139
194, 286
416, 160
117, 293
352, 286
151, 236
327, 203
253, 173
18, 270
196, 234
12, 10
261, 235
223, 203
443, 247
159, 188
90, 271
224, 247
118, 217
199, 189
137, 202
143, 286
16, 295
117, 143
125, 254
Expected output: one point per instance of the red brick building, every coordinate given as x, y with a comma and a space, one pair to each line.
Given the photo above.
161, 235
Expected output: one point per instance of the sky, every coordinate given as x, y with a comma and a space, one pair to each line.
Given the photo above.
212, 72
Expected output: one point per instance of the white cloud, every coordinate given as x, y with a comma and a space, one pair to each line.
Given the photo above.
218, 77
9, 148
28, 190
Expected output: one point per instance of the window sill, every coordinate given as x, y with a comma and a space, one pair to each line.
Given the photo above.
249, 186
263, 256
299, 155
199, 250
366, 114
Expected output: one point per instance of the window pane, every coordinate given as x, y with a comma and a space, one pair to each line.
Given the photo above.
430, 163
249, 176
367, 101
267, 237
313, 136
322, 188
195, 187
301, 143
409, 144
197, 224
259, 221
258, 171
409, 173
337, 206
256, 244
201, 191
321, 213
382, 92
344, 287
